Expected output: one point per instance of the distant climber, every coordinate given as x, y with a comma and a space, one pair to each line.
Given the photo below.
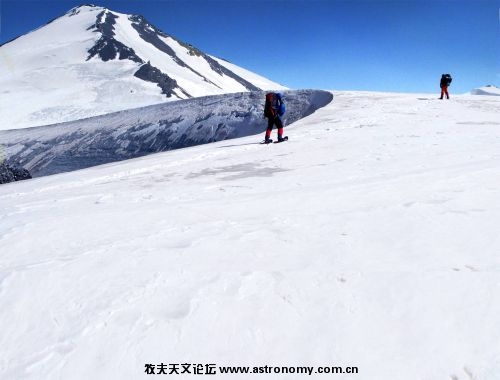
444, 84
273, 110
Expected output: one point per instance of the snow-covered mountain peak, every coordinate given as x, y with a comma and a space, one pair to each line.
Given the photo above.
92, 61
84, 8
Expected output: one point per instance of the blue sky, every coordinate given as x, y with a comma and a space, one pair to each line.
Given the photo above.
375, 45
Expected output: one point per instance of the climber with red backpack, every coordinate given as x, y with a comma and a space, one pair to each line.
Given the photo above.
273, 110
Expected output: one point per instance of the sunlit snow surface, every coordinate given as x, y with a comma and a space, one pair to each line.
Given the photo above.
369, 239
486, 90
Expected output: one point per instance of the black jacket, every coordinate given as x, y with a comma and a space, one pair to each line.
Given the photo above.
445, 81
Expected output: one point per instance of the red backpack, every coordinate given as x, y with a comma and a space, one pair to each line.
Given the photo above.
274, 105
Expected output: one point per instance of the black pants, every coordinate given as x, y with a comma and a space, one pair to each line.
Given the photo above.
276, 121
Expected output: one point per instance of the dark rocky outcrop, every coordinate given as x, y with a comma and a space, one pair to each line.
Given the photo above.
107, 47
152, 74
10, 173
151, 35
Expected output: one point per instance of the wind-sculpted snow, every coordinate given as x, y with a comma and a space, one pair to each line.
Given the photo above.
133, 133
486, 90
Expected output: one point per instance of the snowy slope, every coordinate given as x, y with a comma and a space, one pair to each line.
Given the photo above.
370, 239
93, 61
252, 77
486, 90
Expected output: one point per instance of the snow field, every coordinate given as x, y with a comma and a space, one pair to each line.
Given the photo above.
369, 239
47, 78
